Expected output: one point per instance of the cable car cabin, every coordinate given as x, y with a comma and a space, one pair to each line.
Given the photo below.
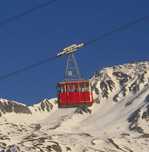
74, 93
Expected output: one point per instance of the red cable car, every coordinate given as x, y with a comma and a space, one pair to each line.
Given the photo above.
74, 91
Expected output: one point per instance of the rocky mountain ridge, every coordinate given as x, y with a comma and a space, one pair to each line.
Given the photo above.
9, 106
119, 81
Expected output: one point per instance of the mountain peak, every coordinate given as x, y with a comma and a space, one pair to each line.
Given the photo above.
11, 106
45, 105
118, 81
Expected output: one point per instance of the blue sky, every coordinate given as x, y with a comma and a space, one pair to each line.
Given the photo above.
43, 32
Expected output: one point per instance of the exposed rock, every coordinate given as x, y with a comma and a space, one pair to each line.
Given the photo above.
7, 106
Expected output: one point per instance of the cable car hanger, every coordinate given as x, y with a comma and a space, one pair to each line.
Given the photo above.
72, 71
70, 49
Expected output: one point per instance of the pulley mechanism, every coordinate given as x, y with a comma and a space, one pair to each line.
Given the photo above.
72, 71
70, 49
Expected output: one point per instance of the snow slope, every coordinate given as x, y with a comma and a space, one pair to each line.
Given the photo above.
118, 121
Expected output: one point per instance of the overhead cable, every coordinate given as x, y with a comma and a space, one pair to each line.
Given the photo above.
26, 12
27, 68
115, 30
90, 42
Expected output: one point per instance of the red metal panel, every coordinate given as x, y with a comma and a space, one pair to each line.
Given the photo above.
72, 96
75, 98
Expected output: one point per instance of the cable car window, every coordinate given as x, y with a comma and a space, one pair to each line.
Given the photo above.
69, 88
79, 88
73, 88
82, 87
58, 89
62, 89
86, 87
76, 88
65, 88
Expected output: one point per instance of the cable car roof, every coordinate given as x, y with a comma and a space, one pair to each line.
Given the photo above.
73, 82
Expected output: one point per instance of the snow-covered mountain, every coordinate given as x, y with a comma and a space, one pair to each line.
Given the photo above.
9, 106
118, 121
